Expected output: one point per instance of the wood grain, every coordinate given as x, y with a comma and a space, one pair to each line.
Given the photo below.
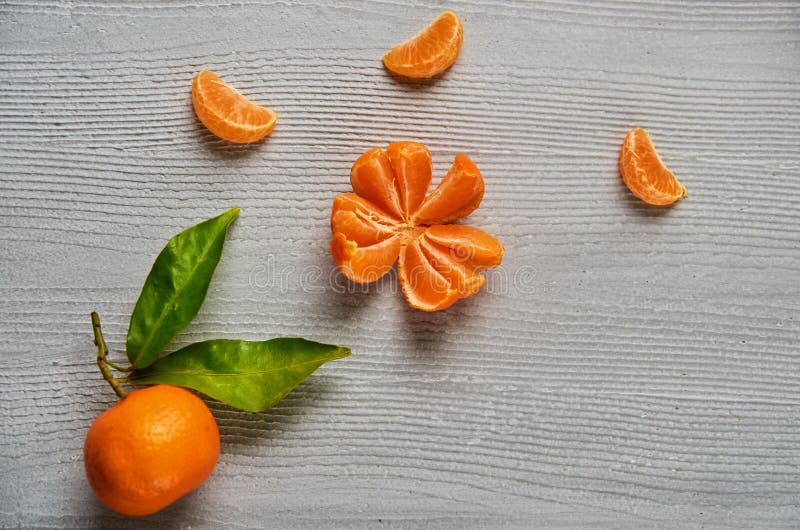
627, 367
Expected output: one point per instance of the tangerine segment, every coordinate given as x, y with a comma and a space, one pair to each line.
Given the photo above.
354, 203
461, 275
431, 51
364, 264
467, 244
459, 193
424, 287
227, 113
413, 170
372, 177
359, 229
360, 221
645, 174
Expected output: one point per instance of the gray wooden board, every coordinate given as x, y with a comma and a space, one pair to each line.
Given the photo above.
627, 366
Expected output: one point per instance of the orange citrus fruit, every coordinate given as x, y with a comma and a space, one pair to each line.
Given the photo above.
645, 174
227, 113
390, 218
432, 51
150, 449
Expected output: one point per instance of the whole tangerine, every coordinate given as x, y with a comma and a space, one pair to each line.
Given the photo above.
150, 449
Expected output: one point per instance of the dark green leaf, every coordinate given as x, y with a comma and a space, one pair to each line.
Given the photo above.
175, 288
250, 376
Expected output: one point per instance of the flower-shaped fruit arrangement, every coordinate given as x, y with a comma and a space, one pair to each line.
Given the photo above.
390, 217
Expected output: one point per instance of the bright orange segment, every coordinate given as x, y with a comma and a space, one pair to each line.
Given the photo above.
467, 244
354, 203
432, 51
413, 172
425, 288
645, 174
389, 216
227, 113
460, 192
365, 264
358, 218
461, 274
372, 178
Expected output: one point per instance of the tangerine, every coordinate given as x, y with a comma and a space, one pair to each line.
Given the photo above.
389, 218
645, 174
227, 113
431, 51
150, 449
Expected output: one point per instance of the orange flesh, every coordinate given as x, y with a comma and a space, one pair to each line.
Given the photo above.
468, 244
413, 172
458, 272
425, 288
459, 193
372, 178
390, 217
365, 264
645, 174
432, 51
227, 113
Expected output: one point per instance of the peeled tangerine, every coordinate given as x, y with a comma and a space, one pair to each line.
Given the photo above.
150, 449
389, 217
645, 174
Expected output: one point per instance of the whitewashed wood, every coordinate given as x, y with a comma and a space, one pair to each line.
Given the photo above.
627, 367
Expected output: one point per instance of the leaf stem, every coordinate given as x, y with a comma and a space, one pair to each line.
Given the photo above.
102, 353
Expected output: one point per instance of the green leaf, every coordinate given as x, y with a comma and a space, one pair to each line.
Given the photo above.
175, 288
250, 376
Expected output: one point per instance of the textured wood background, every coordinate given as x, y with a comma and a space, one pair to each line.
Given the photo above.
627, 367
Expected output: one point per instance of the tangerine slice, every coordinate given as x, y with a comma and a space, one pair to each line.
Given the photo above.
364, 264
359, 229
424, 287
227, 113
360, 220
354, 203
372, 177
459, 193
461, 274
645, 174
431, 51
467, 244
413, 171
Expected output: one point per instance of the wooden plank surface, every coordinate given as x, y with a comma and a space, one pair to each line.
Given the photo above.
626, 367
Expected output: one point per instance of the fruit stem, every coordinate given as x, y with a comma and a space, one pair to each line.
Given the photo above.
119, 368
102, 353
